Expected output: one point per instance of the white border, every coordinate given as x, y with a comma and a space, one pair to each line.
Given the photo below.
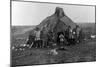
5, 33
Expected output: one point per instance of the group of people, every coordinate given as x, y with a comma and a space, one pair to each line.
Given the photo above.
69, 36
66, 37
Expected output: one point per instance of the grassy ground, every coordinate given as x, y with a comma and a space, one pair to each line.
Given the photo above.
84, 52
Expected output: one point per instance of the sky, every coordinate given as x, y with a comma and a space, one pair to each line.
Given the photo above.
31, 13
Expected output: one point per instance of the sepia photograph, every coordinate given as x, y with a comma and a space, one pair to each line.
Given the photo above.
52, 33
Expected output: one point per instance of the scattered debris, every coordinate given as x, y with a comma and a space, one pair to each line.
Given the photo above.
53, 52
93, 36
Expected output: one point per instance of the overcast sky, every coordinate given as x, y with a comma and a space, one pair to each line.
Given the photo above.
29, 13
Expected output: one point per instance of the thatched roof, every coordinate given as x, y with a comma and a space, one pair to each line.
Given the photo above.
57, 22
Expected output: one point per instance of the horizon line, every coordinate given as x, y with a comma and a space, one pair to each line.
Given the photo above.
38, 24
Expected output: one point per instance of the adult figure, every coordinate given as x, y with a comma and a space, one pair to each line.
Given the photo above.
50, 38
81, 35
37, 33
44, 36
38, 42
77, 33
68, 34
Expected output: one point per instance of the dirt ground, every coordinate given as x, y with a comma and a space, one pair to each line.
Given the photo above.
84, 52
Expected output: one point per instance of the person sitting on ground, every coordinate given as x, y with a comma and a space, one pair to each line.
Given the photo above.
31, 40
